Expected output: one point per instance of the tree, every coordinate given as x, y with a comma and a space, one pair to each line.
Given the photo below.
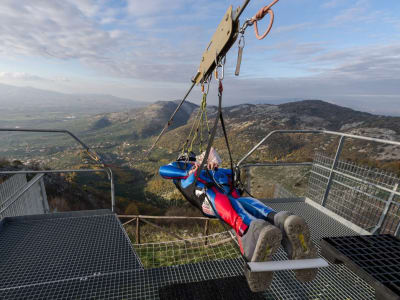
132, 209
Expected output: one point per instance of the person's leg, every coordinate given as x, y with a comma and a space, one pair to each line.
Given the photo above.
297, 242
255, 207
296, 238
259, 241
231, 213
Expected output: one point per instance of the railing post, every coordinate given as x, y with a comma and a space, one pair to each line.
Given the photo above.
331, 173
383, 217
111, 178
397, 232
206, 231
44, 196
137, 230
248, 179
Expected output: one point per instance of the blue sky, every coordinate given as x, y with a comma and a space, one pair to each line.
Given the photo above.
342, 51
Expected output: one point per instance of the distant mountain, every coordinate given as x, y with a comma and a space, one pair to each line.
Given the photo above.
252, 120
145, 121
247, 124
27, 100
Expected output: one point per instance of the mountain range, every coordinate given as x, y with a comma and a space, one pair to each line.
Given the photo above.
28, 100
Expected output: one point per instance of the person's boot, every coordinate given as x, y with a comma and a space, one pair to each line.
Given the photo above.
259, 243
297, 242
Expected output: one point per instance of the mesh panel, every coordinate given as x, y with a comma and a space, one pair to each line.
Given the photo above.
62, 247
374, 257
31, 202
212, 247
362, 203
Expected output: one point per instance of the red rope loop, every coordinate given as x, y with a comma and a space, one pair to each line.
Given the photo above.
261, 14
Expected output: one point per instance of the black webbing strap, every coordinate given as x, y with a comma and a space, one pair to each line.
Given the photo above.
213, 132
171, 119
227, 146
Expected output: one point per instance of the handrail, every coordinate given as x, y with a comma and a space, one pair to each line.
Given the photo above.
18, 195
96, 158
359, 137
92, 154
278, 164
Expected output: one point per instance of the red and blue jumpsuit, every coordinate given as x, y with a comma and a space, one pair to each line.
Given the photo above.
215, 187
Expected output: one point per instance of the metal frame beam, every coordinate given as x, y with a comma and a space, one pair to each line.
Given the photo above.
383, 217
316, 132
92, 154
332, 170
21, 192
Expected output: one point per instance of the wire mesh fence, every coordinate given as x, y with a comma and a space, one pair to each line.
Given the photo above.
282, 192
15, 203
193, 250
363, 195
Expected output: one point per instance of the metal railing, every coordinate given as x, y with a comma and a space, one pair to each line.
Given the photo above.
20, 197
92, 154
367, 197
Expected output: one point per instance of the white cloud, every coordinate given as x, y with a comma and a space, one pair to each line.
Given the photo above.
333, 3
154, 7
294, 27
19, 76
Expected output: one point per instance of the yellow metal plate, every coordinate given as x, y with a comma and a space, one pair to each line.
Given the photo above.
222, 40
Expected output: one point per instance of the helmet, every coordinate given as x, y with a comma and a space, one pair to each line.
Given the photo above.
191, 156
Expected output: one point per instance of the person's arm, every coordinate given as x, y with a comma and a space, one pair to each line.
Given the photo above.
213, 160
175, 170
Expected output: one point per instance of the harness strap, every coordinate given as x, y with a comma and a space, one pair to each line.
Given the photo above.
227, 146
171, 119
213, 132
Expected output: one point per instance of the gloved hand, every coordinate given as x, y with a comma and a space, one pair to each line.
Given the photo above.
213, 159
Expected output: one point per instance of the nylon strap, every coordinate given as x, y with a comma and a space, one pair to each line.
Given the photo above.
171, 119
213, 132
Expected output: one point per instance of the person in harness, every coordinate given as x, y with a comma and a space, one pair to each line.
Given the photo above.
259, 229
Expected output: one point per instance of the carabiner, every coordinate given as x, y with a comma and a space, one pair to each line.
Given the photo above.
220, 65
246, 24
203, 90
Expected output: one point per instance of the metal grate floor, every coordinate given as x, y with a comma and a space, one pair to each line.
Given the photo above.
374, 257
55, 247
334, 282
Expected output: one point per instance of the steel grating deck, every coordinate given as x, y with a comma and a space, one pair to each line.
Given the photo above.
126, 280
61, 246
376, 258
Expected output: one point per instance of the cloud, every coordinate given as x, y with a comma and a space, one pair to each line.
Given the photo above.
294, 27
51, 28
333, 3
153, 8
20, 76
360, 12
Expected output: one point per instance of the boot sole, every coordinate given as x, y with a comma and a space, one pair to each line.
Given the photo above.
298, 235
268, 243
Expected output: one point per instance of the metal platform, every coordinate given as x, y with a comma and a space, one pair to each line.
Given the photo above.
41, 249
376, 258
92, 260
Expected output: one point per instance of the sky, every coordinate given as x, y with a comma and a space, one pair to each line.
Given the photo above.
341, 51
